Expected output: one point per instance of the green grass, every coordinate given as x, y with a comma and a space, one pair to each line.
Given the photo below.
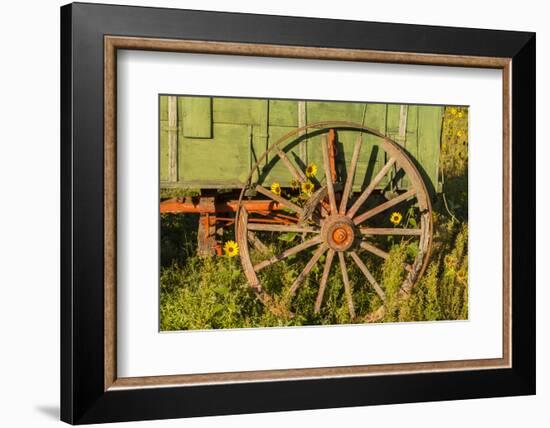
205, 293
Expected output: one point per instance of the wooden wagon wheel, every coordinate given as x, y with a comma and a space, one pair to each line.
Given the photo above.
336, 222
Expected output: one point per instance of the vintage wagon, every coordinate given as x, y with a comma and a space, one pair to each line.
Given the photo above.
330, 179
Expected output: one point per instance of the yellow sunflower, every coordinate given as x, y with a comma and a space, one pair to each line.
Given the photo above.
460, 114
231, 248
396, 218
311, 170
294, 184
459, 133
461, 275
307, 188
453, 110
276, 188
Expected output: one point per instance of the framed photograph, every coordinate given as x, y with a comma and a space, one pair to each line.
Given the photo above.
265, 213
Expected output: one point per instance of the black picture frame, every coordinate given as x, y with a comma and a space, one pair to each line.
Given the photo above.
83, 396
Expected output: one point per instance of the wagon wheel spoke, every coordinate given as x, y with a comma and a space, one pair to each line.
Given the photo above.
287, 253
298, 281
278, 198
372, 185
310, 209
297, 173
351, 174
347, 286
241, 233
324, 279
387, 231
282, 228
256, 242
368, 275
328, 174
383, 207
373, 249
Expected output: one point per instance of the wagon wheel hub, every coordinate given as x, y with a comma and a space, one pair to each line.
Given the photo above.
338, 232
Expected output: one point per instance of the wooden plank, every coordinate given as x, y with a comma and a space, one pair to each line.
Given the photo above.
318, 111
163, 108
242, 111
405, 182
429, 138
411, 139
283, 113
172, 138
222, 161
196, 117
372, 157
163, 138
392, 121
392, 131
261, 140
403, 112
259, 136
302, 121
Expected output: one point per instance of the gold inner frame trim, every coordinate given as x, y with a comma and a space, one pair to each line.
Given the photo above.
113, 43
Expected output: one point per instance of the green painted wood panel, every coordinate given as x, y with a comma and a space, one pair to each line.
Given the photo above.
260, 138
222, 161
195, 117
231, 134
372, 158
163, 154
238, 110
163, 107
319, 111
411, 142
393, 131
429, 136
163, 150
283, 113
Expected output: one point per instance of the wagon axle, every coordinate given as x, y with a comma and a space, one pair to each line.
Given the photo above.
338, 232
219, 213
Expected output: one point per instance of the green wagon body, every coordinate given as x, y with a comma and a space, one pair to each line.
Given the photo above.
216, 141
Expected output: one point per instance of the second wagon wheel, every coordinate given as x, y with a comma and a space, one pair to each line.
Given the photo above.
347, 225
